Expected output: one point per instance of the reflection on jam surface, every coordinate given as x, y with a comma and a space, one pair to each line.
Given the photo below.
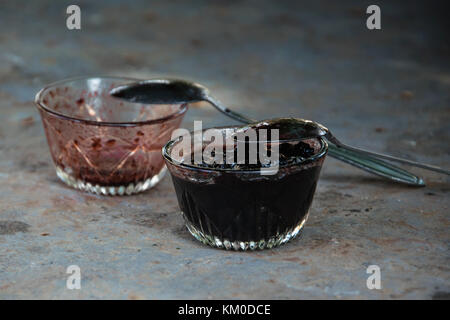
89, 148
247, 209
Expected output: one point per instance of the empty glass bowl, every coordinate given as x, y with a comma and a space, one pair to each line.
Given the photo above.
241, 209
101, 144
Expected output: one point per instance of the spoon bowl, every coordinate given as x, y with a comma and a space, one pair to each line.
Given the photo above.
289, 129
171, 91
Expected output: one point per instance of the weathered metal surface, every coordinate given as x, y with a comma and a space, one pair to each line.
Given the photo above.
385, 90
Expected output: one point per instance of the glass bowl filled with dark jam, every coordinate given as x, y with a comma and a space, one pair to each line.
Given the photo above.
101, 144
233, 205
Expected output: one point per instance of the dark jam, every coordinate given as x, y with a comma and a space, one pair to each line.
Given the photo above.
289, 153
237, 206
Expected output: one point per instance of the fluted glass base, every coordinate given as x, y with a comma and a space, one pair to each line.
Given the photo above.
234, 244
129, 189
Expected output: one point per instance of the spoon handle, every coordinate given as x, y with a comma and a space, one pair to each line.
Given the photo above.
341, 145
229, 113
374, 165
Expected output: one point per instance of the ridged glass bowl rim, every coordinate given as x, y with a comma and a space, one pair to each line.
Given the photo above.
41, 105
321, 153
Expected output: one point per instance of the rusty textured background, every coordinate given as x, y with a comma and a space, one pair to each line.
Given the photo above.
385, 90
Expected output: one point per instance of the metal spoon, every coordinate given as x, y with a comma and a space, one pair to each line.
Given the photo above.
292, 129
171, 91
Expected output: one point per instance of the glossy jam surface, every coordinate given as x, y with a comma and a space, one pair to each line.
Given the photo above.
289, 153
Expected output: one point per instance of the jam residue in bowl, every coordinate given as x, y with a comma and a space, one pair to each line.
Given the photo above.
101, 144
